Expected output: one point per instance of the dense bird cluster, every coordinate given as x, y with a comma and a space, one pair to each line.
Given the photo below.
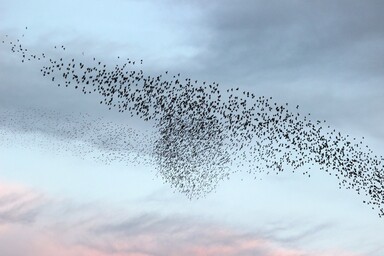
205, 133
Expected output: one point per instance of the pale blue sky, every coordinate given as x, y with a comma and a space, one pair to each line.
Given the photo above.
326, 56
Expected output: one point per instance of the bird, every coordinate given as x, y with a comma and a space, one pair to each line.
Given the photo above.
204, 133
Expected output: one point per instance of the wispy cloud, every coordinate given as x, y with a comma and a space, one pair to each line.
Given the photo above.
18, 205
34, 224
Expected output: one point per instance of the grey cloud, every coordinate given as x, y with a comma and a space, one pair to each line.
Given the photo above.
21, 207
249, 37
306, 234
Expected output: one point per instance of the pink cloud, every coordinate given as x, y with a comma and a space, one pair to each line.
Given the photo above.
32, 225
18, 204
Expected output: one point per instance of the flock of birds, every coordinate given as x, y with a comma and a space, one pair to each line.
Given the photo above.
78, 134
203, 132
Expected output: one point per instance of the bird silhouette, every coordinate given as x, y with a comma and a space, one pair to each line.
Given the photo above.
204, 133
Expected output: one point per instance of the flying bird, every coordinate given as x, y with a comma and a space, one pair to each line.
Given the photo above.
205, 133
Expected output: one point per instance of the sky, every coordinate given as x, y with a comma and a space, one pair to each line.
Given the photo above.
91, 195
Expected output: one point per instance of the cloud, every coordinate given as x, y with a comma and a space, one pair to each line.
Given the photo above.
59, 227
183, 236
294, 39
18, 205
